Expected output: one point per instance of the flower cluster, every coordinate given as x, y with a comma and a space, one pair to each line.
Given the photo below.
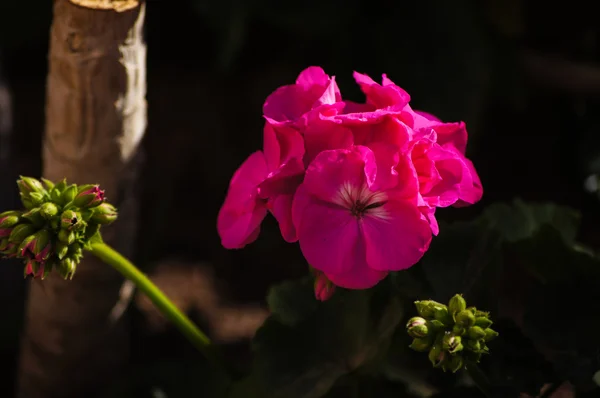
451, 334
357, 185
59, 221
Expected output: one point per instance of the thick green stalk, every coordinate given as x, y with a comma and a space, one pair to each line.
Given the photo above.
162, 302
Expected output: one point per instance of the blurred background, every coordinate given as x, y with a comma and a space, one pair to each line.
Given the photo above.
524, 77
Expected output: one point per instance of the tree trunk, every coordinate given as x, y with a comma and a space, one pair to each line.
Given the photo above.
75, 343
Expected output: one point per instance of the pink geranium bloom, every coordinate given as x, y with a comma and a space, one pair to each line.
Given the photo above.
289, 104
357, 216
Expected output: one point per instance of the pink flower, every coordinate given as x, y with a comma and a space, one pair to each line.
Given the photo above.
289, 104
357, 216
265, 181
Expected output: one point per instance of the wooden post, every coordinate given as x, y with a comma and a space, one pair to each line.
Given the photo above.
74, 343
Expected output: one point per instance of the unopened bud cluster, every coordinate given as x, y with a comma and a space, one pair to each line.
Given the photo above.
58, 222
452, 334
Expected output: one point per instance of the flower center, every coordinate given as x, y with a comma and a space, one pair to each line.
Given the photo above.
359, 208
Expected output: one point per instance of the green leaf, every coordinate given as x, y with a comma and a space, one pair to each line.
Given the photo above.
522, 220
341, 335
292, 301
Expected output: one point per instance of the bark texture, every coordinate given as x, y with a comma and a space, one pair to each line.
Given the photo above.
73, 344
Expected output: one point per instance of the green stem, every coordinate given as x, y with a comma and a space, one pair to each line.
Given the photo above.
479, 378
162, 302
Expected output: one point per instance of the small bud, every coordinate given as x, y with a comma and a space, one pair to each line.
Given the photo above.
483, 322
104, 214
20, 232
28, 185
417, 327
69, 194
61, 186
452, 343
49, 185
473, 345
324, 288
66, 268
36, 247
475, 333
35, 216
490, 334
465, 318
69, 218
421, 344
89, 196
61, 249
9, 219
48, 210
34, 269
456, 304
426, 308
65, 236
36, 198
454, 363
459, 330
441, 314
436, 354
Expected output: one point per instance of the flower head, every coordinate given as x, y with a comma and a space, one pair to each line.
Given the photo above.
357, 185
454, 333
54, 231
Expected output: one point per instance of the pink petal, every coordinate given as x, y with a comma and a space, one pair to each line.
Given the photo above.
385, 96
387, 158
470, 191
312, 76
242, 212
329, 236
322, 135
361, 277
334, 173
238, 230
396, 237
281, 208
287, 103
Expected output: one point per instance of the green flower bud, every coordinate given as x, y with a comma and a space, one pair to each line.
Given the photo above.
457, 304
490, 334
69, 194
441, 314
69, 218
475, 333
89, 196
27, 203
473, 345
48, 210
49, 185
421, 344
426, 308
61, 249
417, 327
20, 232
65, 236
452, 343
454, 363
437, 354
106, 214
35, 216
66, 268
465, 318
28, 185
458, 330
36, 198
483, 322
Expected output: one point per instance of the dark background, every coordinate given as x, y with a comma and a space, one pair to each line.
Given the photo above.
521, 74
